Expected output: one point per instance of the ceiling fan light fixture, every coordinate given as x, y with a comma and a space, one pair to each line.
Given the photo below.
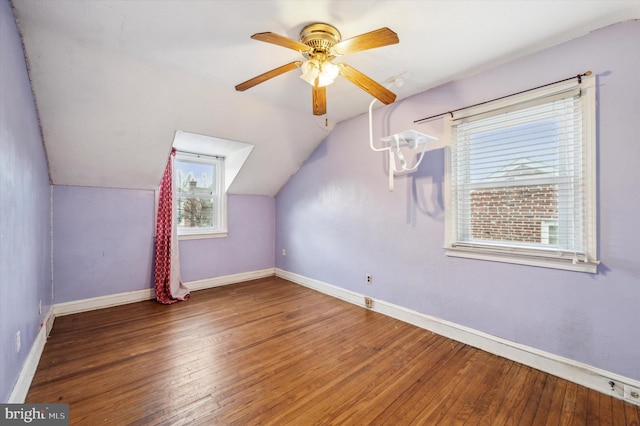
328, 73
310, 71
322, 73
319, 44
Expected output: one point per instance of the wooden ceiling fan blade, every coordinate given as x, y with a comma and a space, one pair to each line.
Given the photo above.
267, 75
378, 38
283, 41
373, 88
319, 98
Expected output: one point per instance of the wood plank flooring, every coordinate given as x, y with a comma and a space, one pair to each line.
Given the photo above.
272, 352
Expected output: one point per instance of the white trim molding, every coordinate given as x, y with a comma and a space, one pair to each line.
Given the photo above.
77, 306
582, 374
110, 300
229, 279
21, 388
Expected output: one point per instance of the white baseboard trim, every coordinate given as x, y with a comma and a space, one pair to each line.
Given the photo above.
21, 388
101, 302
229, 279
110, 300
582, 374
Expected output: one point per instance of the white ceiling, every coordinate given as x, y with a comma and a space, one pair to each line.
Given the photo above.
114, 80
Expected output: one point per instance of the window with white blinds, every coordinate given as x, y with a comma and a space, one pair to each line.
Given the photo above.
520, 181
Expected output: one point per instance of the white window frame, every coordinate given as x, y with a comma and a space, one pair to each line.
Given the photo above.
585, 262
220, 228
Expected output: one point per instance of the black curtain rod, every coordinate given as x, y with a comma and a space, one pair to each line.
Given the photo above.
579, 77
199, 154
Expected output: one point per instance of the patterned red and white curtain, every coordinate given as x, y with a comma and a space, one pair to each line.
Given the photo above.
167, 282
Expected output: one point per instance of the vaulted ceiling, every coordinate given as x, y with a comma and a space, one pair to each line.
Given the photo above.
114, 80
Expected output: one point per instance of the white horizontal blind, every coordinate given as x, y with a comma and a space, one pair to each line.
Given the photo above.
517, 178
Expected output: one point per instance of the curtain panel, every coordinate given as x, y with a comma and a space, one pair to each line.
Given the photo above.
168, 284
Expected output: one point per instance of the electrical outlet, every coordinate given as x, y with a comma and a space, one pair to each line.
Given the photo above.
40, 307
369, 279
632, 394
284, 252
18, 341
368, 302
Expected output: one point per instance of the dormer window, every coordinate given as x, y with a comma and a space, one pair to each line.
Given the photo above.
200, 197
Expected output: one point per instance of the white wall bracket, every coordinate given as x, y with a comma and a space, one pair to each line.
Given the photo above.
411, 139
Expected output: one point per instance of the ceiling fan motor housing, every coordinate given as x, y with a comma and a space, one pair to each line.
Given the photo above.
321, 38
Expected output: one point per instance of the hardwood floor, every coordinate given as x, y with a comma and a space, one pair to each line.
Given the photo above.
272, 352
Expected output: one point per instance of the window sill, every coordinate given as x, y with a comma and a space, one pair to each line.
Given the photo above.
185, 237
544, 262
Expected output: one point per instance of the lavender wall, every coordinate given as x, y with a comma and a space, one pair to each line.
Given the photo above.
103, 241
338, 221
25, 277
248, 247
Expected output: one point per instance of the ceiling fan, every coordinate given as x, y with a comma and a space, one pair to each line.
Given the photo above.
320, 44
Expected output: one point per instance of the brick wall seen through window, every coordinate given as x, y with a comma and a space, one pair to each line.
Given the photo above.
513, 213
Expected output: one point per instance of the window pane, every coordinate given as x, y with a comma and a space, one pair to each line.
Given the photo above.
515, 172
512, 213
195, 212
553, 234
199, 204
195, 178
